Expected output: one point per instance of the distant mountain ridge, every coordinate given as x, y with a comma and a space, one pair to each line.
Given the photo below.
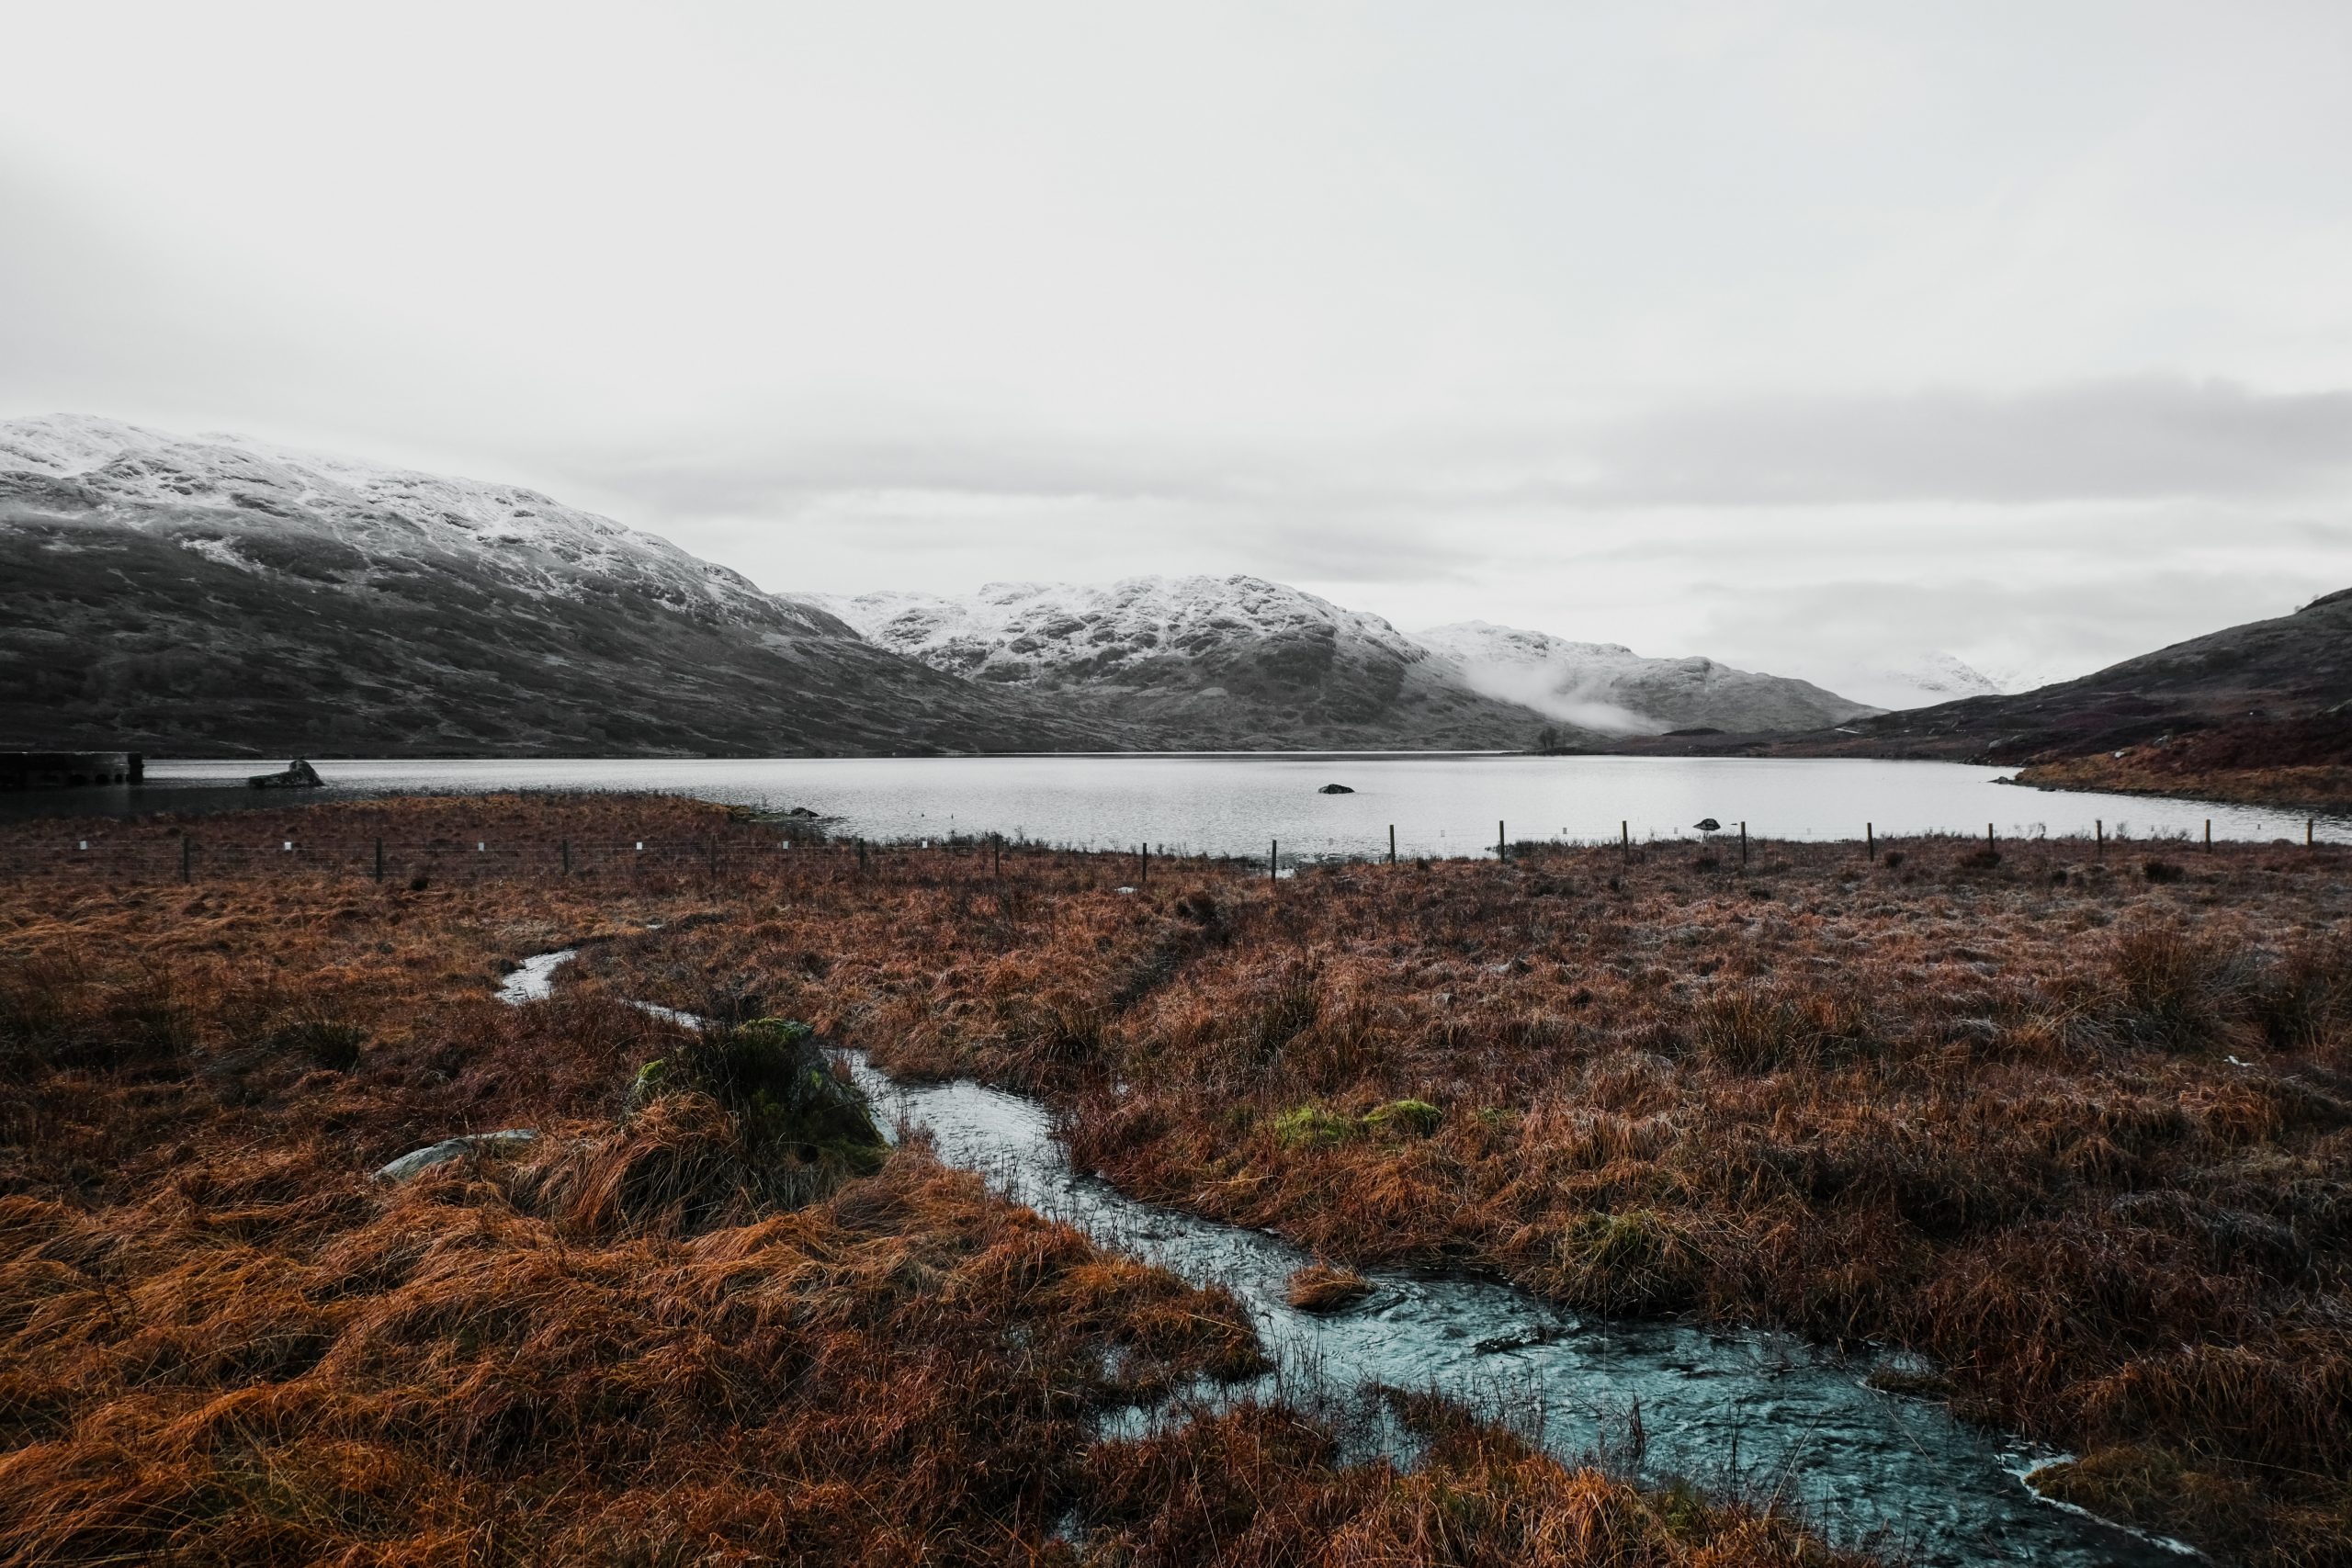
1920, 680
1206, 661
1607, 687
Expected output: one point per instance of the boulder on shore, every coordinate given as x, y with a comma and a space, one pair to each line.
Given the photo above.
298, 774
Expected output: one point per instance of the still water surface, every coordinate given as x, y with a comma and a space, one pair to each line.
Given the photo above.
1446, 804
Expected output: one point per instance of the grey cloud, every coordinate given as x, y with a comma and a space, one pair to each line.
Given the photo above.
2058, 628
2143, 437
783, 475
2119, 440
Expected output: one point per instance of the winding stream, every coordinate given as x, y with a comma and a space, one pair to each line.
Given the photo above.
1754, 1412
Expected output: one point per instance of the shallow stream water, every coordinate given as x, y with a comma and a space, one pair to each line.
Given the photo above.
1751, 1412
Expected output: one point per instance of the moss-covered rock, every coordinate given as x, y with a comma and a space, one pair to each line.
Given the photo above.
1311, 1126
1417, 1117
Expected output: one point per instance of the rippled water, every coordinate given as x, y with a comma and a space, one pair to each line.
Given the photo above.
1744, 1410
1748, 1410
1754, 1409
1439, 805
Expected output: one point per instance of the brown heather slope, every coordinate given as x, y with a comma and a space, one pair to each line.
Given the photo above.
220, 1343
2079, 1129
2256, 714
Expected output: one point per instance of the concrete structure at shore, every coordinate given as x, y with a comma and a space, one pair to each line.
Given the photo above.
69, 770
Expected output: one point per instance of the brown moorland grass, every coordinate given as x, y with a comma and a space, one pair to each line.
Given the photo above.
2078, 1128
222, 1342
2304, 762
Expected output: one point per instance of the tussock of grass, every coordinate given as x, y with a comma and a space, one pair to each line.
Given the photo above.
1319, 1287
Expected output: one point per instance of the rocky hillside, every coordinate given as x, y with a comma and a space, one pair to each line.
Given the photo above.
1208, 662
1607, 687
216, 594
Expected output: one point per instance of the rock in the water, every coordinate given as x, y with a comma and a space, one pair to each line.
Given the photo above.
1708, 825
448, 1149
1335, 789
298, 774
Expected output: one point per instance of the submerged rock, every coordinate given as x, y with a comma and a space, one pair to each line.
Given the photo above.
449, 1149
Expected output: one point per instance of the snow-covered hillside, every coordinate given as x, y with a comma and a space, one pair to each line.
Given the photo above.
269, 510
1225, 660
1144, 631
210, 594
1607, 687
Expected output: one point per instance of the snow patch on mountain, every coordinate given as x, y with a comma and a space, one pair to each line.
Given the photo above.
1609, 687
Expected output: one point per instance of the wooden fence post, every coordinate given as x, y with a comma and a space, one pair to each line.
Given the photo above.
1624, 839
1274, 859
1988, 840
1743, 846
2098, 828
2208, 835
1502, 851
1870, 842
1392, 843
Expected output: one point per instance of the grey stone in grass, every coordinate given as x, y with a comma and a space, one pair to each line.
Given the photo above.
448, 1149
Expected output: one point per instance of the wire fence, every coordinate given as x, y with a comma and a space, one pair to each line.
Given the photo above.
193, 858
189, 856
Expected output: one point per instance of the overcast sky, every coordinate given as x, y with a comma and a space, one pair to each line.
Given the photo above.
1807, 336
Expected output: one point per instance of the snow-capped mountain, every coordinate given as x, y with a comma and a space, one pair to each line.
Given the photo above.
1609, 688
265, 510
1208, 661
1921, 680
217, 593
